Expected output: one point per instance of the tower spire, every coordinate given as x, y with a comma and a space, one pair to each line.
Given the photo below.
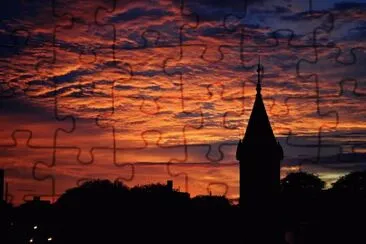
259, 133
259, 71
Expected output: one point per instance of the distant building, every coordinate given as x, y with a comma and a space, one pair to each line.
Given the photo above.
170, 187
259, 154
38, 201
169, 184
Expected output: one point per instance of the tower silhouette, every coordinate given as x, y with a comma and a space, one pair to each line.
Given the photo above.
259, 154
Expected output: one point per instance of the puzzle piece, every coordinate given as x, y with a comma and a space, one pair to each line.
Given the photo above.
67, 171
193, 81
66, 46
226, 96
351, 147
41, 136
219, 179
280, 78
348, 36
26, 39
322, 122
173, 13
280, 60
128, 133
253, 40
86, 39
332, 85
200, 28
17, 158
75, 101
335, 92
16, 35
230, 112
13, 40
147, 81
70, 89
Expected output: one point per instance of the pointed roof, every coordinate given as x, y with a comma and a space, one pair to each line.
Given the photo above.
259, 130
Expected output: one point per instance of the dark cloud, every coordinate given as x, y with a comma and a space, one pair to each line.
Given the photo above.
282, 10
349, 5
358, 33
149, 73
71, 76
124, 87
137, 13
25, 107
234, 4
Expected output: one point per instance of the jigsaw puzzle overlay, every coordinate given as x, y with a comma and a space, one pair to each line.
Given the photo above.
147, 91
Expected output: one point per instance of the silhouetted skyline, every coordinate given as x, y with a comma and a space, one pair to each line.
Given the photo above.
105, 211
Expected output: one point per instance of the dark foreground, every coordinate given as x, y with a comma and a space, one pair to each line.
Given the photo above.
106, 212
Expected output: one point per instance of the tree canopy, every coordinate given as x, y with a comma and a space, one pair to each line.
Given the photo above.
354, 182
302, 182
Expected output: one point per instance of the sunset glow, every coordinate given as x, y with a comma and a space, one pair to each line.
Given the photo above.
148, 92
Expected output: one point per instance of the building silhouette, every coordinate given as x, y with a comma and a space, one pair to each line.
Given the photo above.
2, 185
259, 154
169, 184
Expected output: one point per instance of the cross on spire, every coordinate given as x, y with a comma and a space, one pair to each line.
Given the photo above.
260, 71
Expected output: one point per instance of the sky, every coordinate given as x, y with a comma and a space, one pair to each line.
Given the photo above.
149, 91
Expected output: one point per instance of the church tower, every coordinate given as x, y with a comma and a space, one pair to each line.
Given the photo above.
259, 154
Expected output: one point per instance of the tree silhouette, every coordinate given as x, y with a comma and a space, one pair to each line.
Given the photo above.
300, 197
93, 192
211, 202
302, 182
354, 182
